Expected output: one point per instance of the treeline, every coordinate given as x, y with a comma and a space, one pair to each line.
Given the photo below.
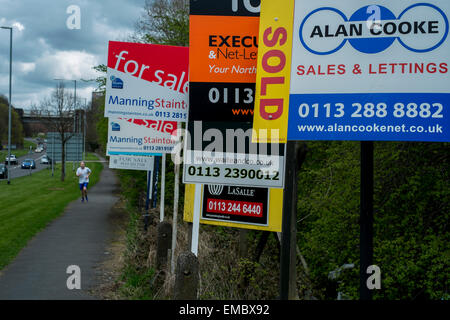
17, 133
411, 218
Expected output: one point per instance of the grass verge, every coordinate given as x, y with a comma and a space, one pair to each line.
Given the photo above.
18, 152
91, 157
30, 203
136, 274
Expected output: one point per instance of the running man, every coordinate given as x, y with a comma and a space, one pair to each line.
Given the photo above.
83, 174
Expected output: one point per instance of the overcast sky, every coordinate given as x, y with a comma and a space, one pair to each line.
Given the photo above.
44, 48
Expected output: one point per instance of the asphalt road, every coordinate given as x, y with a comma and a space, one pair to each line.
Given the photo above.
16, 169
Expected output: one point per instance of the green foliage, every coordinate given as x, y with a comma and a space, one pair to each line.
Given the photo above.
101, 80
17, 133
101, 123
164, 22
411, 213
136, 276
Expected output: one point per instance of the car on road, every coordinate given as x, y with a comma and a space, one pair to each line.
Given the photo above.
28, 164
39, 149
3, 171
46, 159
12, 160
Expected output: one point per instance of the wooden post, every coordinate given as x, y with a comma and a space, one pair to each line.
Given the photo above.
163, 244
243, 243
295, 155
187, 277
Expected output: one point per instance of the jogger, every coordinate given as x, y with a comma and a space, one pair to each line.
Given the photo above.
83, 174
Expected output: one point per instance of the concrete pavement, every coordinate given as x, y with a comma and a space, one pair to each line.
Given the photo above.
79, 237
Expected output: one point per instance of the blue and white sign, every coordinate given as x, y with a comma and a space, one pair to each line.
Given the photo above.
370, 70
140, 137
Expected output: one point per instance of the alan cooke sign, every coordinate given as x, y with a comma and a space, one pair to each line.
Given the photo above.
147, 81
370, 72
128, 136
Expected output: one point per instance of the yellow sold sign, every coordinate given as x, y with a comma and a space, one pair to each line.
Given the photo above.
273, 71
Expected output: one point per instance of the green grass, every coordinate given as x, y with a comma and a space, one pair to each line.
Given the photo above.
30, 203
91, 157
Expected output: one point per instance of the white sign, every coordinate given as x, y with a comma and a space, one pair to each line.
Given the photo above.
140, 137
143, 163
375, 70
240, 169
226, 155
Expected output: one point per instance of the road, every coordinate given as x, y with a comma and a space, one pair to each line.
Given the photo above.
16, 171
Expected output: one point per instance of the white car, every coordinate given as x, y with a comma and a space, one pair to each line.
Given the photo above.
45, 160
12, 160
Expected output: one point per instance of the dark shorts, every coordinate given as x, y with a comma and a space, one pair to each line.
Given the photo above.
82, 185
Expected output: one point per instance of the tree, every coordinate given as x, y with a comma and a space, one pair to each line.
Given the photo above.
411, 215
164, 22
60, 108
16, 124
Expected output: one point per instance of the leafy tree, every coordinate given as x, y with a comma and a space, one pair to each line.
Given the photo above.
411, 216
61, 106
17, 133
164, 22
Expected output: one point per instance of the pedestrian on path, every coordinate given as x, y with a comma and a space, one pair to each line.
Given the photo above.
83, 174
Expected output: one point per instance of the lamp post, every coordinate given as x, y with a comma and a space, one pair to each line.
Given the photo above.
84, 129
9, 111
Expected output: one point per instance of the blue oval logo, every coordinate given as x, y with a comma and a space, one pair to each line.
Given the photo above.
421, 27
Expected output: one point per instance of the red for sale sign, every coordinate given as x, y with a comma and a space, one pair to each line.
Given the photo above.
147, 81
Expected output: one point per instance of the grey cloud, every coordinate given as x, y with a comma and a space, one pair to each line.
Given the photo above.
46, 37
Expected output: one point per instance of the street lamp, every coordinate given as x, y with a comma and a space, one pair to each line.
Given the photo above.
9, 111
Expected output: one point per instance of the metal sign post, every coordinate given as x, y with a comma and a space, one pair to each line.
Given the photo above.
53, 155
196, 220
147, 199
155, 182
163, 187
176, 197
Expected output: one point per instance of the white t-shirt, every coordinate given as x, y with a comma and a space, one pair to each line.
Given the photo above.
83, 174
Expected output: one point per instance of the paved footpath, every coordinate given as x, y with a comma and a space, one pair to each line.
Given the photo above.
79, 237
